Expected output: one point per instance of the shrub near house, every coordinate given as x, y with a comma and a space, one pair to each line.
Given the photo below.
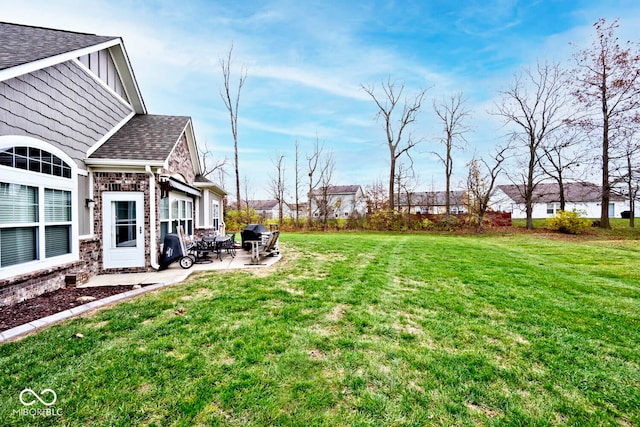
568, 222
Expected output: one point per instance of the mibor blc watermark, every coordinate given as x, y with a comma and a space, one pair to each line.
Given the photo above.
29, 400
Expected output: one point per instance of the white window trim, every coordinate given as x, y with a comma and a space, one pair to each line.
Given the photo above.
173, 196
41, 181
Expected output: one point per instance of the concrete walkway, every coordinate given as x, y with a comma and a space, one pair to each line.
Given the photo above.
155, 280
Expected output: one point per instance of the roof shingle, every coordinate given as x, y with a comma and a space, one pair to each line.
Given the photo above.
144, 137
22, 44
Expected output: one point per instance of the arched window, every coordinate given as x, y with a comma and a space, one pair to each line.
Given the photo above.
38, 186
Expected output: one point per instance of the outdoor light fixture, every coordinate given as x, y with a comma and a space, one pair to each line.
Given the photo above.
90, 203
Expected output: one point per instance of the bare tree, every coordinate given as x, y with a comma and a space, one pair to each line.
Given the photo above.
608, 86
297, 184
626, 173
376, 196
327, 168
277, 184
396, 123
232, 103
481, 182
212, 167
535, 107
406, 182
562, 154
453, 115
313, 161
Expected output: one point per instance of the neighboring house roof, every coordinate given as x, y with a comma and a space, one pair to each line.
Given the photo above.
550, 192
22, 44
145, 137
335, 190
432, 198
343, 189
263, 205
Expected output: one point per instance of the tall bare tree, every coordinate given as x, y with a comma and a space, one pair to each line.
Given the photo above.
297, 184
313, 161
534, 107
232, 102
608, 86
277, 184
453, 115
397, 114
481, 181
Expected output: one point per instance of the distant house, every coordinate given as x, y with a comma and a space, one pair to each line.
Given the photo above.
432, 202
90, 182
342, 201
269, 209
581, 196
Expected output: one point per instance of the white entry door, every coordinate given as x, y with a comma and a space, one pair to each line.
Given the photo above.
123, 229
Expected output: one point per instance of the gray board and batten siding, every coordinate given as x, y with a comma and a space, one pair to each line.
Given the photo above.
62, 105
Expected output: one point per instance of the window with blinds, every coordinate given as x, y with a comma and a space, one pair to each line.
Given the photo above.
35, 219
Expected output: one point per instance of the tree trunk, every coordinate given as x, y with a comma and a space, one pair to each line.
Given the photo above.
392, 173
606, 191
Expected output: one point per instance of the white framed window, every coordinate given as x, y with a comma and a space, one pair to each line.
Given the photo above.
553, 208
38, 201
215, 215
176, 210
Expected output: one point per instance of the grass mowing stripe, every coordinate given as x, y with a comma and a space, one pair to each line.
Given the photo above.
358, 329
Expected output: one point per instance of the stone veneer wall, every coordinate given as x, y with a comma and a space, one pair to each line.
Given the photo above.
38, 282
180, 161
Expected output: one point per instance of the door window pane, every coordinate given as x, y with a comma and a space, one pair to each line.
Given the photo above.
124, 224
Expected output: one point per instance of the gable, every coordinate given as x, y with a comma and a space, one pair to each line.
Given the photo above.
146, 137
25, 49
62, 105
103, 67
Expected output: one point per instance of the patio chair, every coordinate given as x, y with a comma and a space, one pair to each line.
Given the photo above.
270, 248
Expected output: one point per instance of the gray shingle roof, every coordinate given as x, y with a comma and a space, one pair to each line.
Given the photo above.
21, 44
144, 137
550, 193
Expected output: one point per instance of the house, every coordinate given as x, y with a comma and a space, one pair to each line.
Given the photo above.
342, 201
90, 182
268, 209
584, 197
432, 202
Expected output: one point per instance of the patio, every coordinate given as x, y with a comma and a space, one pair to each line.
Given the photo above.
175, 274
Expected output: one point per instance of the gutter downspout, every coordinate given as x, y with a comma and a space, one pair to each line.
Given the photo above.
152, 217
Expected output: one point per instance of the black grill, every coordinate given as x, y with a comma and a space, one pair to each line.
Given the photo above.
252, 232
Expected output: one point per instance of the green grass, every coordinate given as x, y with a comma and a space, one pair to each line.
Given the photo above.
360, 330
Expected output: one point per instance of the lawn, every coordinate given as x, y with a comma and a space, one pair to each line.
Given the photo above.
360, 330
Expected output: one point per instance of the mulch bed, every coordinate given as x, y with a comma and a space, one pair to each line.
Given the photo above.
52, 303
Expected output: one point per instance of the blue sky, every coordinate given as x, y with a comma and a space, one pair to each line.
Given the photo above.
306, 61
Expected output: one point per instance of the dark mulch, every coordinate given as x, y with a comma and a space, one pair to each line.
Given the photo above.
52, 303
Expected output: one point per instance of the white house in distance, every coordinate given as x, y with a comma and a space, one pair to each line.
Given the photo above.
343, 201
268, 208
432, 202
90, 182
584, 197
